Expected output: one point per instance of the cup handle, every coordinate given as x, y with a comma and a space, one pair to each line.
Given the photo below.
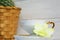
51, 23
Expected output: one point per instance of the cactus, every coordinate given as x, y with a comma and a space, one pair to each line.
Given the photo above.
6, 3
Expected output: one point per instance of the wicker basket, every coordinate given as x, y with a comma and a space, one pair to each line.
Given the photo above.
8, 21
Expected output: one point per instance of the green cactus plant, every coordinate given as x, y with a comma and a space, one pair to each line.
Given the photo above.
6, 3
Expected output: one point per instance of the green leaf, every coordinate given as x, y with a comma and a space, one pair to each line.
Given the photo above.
7, 3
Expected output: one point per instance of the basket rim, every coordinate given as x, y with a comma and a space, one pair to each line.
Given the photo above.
8, 7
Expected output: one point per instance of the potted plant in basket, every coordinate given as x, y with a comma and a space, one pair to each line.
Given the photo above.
9, 15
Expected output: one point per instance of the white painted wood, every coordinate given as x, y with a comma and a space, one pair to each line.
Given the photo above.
32, 9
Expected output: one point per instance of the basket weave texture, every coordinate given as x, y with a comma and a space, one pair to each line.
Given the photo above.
9, 21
